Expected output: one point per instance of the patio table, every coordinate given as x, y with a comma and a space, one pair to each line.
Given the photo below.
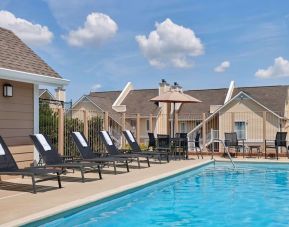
176, 143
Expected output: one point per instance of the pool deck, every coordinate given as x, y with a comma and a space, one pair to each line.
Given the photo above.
20, 206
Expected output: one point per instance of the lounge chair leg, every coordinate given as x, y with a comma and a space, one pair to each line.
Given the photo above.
277, 153
33, 184
127, 168
138, 162
82, 175
114, 167
148, 160
99, 172
59, 180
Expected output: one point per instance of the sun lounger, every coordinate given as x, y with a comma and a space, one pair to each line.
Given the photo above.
8, 166
114, 152
88, 155
52, 158
136, 148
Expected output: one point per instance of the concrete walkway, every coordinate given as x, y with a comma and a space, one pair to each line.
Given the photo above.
19, 205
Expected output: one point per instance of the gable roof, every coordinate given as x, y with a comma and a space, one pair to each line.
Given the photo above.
138, 101
272, 97
16, 55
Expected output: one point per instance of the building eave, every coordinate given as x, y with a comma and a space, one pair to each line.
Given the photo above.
9, 74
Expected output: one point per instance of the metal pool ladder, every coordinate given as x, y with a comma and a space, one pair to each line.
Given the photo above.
227, 152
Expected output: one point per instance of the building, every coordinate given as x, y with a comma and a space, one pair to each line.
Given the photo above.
21, 73
255, 113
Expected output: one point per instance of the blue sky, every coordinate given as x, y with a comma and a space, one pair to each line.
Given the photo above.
203, 44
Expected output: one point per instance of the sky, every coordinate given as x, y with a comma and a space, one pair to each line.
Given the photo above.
100, 45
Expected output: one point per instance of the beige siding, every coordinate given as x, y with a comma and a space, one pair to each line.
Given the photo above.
16, 120
251, 113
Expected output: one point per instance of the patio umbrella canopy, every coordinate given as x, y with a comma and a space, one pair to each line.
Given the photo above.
175, 96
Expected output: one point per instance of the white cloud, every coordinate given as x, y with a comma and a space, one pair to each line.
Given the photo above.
222, 67
97, 29
32, 34
280, 68
95, 87
170, 45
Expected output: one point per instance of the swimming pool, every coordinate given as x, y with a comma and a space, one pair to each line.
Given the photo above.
252, 195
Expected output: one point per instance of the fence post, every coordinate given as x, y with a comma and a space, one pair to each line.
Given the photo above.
204, 131
264, 128
232, 122
105, 121
138, 127
123, 128
85, 123
61, 131
151, 123
168, 123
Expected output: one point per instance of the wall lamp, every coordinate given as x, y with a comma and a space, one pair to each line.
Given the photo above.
7, 90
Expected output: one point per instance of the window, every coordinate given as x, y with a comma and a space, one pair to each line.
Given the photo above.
240, 129
183, 127
148, 125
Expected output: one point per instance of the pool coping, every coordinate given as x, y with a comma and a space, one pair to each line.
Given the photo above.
100, 196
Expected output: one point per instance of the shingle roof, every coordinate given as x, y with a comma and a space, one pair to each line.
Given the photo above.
16, 55
272, 97
104, 100
137, 101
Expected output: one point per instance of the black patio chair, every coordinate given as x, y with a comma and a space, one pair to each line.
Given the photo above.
8, 166
152, 140
52, 159
280, 141
182, 144
88, 155
114, 152
196, 142
137, 150
232, 141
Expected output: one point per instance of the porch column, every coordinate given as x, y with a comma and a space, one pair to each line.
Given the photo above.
204, 134
264, 128
36, 119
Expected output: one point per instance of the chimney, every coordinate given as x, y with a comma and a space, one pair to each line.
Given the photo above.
177, 87
164, 87
60, 94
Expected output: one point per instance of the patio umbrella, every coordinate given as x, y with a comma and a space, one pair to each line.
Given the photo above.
175, 96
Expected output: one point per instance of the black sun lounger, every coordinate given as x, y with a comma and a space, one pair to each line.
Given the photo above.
52, 158
88, 155
114, 152
8, 166
136, 149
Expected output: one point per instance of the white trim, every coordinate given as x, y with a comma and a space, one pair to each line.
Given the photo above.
36, 117
33, 78
117, 103
230, 92
49, 93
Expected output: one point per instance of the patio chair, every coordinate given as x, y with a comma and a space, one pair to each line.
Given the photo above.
52, 159
183, 143
163, 142
232, 141
152, 140
8, 166
88, 155
137, 150
196, 142
280, 141
114, 152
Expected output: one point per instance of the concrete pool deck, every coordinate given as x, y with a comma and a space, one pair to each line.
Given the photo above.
22, 206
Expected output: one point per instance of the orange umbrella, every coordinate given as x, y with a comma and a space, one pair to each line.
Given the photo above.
175, 96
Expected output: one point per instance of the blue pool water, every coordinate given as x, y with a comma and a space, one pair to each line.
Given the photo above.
253, 195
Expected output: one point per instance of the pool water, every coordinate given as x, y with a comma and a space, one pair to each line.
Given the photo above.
252, 195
